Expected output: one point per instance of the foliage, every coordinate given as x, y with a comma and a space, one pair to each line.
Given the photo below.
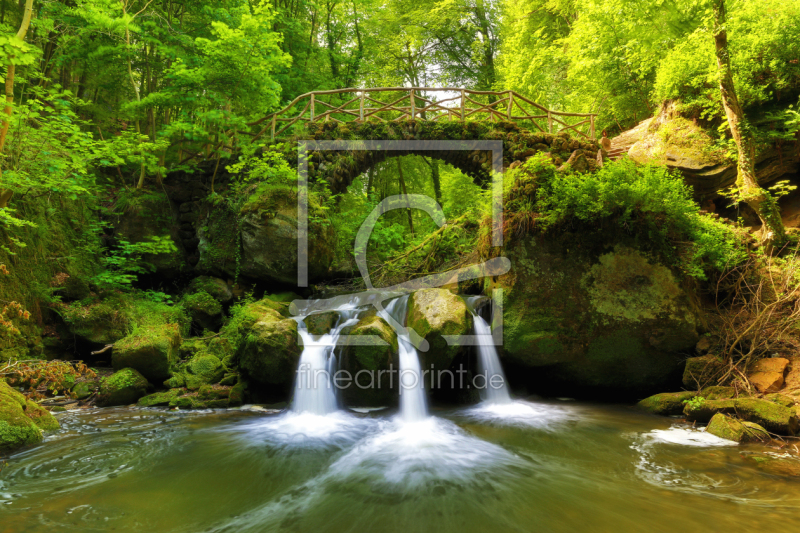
695, 403
40, 378
124, 263
647, 200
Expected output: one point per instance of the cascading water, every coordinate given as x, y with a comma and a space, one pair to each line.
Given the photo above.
496, 389
413, 404
314, 393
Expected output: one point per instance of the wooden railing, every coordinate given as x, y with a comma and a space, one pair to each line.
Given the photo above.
419, 103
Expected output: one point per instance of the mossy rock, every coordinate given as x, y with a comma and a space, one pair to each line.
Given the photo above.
321, 323
122, 388
41, 416
433, 314
284, 297
204, 309
160, 398
772, 416
151, 351
209, 397
590, 309
245, 317
267, 238
368, 364
203, 369
666, 403
269, 352
21, 421
781, 399
703, 371
115, 315
718, 392
217, 288
729, 428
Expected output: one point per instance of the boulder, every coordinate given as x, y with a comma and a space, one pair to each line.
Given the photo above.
151, 351
205, 310
666, 403
433, 314
772, 416
122, 388
159, 398
717, 392
766, 375
726, 427
766, 382
21, 421
269, 352
321, 323
703, 371
369, 365
84, 389
217, 288
268, 231
781, 399
591, 310
204, 369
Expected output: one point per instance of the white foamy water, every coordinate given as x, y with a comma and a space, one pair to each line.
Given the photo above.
496, 389
522, 413
686, 436
413, 403
314, 391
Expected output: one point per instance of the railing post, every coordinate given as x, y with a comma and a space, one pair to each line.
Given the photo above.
413, 106
272, 135
510, 101
462, 105
549, 122
591, 126
361, 107
312, 106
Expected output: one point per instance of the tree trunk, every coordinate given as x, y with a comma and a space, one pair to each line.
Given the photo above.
5, 195
773, 231
405, 192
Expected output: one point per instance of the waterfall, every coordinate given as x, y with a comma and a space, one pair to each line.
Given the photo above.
413, 404
489, 363
488, 360
314, 392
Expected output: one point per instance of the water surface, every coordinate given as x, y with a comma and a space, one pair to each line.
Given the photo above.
518, 467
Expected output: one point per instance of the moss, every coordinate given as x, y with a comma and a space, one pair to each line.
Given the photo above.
159, 398
780, 399
773, 417
59, 244
434, 314
321, 323
122, 388
269, 351
219, 241
201, 302
735, 430
41, 417
150, 350
204, 368
21, 421
718, 393
108, 319
667, 403
216, 287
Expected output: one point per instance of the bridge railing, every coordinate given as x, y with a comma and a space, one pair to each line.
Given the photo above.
392, 104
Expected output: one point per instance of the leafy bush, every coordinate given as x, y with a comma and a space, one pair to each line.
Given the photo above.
647, 200
124, 263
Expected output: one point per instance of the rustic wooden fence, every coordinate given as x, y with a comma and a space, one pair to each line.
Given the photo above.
391, 104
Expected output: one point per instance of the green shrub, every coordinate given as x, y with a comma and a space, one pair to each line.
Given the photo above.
648, 201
